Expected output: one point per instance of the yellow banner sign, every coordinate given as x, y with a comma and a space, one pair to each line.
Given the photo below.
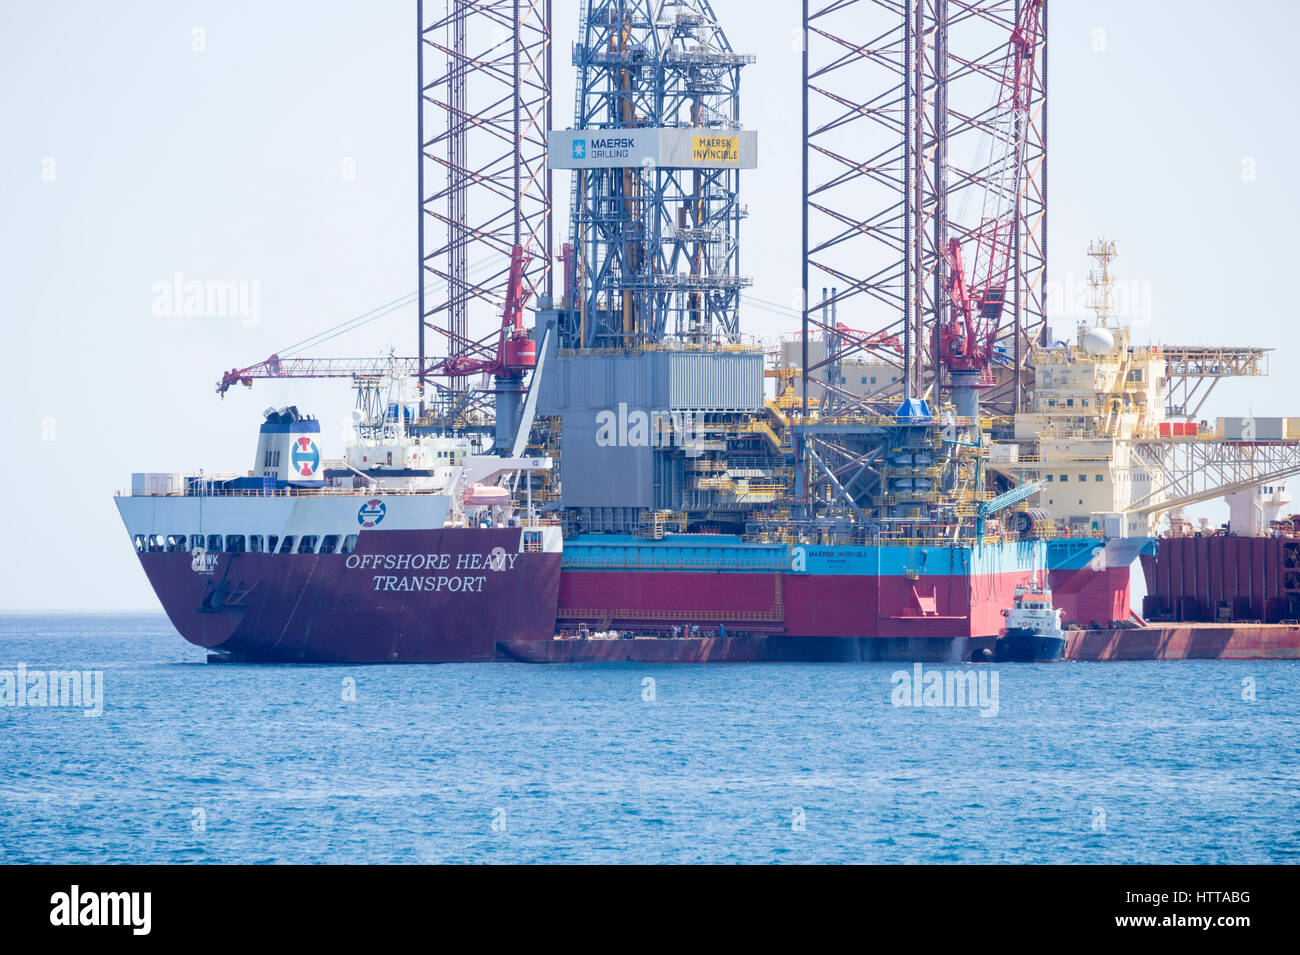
715, 149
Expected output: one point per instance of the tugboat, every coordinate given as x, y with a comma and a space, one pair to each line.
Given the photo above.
1033, 633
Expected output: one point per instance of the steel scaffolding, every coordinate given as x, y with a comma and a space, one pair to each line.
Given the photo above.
899, 95
484, 112
656, 250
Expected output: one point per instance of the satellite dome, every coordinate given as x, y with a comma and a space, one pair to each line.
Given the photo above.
1098, 341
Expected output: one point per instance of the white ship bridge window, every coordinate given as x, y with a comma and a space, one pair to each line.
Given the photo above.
271, 542
214, 543
175, 542
1065, 477
255, 543
349, 544
235, 544
196, 542
139, 543
286, 545
308, 544
1097, 477
329, 543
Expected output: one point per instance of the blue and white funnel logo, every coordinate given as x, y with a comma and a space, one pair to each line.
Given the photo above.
579, 149
371, 513
305, 457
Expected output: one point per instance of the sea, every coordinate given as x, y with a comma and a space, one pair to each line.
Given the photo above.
191, 762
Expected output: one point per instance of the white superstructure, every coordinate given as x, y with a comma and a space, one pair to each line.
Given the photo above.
1032, 612
302, 503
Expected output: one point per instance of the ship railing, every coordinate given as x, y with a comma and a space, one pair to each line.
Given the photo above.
1078, 434
1038, 459
908, 496
671, 346
886, 421
928, 472
882, 540
772, 563
945, 541
672, 616
284, 492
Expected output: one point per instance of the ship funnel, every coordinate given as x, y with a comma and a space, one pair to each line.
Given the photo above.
288, 450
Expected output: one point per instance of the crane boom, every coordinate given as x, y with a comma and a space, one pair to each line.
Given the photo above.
515, 354
277, 367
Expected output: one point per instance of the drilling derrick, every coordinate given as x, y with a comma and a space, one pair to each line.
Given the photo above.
977, 299
657, 149
647, 330
902, 102
484, 74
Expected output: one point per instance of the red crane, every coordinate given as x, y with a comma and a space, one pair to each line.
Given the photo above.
966, 339
515, 352
864, 340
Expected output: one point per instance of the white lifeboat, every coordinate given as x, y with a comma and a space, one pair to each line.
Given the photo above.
487, 495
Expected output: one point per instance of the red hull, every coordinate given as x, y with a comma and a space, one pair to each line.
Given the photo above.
941, 606
365, 607
1090, 596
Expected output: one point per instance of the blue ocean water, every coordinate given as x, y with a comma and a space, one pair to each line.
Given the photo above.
190, 762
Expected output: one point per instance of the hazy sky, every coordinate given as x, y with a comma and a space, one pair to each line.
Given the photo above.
130, 156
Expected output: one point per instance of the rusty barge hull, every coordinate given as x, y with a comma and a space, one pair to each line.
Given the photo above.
1187, 642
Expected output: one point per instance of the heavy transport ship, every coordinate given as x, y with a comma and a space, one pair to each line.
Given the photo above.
400, 552
404, 551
